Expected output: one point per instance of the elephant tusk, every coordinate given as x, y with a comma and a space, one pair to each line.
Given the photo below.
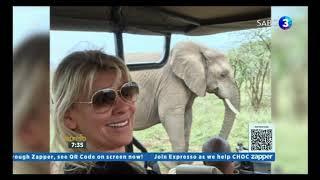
233, 109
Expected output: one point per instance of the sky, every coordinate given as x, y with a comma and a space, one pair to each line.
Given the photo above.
28, 20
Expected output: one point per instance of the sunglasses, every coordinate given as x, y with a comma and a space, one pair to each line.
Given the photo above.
103, 99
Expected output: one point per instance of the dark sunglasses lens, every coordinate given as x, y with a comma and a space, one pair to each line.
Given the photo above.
104, 100
130, 91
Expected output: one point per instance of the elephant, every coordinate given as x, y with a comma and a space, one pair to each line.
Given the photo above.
167, 94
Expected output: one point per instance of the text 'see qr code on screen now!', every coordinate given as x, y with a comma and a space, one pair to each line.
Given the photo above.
261, 137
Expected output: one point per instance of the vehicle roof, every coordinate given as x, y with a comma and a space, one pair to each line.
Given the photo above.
157, 20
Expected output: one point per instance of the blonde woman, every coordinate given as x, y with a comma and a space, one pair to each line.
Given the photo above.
31, 102
93, 97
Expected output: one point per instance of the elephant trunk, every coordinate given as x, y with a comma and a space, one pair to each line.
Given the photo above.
232, 108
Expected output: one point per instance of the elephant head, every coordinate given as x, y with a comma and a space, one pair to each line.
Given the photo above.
207, 70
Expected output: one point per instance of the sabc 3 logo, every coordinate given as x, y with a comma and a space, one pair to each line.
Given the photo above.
285, 22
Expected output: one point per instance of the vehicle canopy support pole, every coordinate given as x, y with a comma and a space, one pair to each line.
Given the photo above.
119, 44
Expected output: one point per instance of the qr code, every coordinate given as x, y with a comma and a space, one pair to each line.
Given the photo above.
261, 138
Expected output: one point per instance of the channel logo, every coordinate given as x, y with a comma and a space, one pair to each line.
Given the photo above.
285, 22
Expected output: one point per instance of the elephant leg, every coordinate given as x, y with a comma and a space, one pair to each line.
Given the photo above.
173, 122
187, 127
174, 126
171, 110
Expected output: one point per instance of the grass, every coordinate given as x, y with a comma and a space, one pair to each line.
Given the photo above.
208, 113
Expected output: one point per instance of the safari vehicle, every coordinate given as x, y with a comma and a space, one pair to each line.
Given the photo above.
162, 21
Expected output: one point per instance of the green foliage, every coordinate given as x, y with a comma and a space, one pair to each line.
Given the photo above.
252, 64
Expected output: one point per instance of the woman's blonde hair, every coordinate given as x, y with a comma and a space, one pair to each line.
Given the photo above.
30, 95
74, 77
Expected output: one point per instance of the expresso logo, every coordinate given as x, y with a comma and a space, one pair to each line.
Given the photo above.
76, 141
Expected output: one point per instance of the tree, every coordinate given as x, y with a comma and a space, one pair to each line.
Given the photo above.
251, 63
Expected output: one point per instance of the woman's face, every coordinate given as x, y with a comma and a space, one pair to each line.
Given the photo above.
107, 131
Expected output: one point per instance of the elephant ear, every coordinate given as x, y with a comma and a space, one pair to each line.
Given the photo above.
212, 55
188, 65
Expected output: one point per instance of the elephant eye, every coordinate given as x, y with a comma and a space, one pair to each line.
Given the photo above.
224, 74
